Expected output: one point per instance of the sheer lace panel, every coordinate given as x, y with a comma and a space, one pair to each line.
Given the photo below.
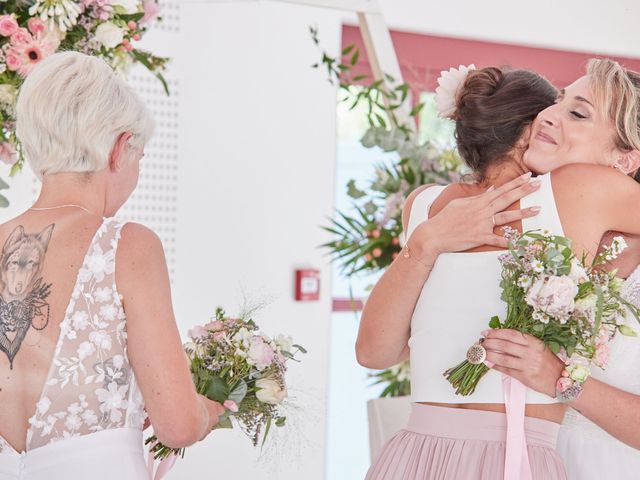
90, 386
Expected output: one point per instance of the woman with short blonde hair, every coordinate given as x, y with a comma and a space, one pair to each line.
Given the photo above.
88, 339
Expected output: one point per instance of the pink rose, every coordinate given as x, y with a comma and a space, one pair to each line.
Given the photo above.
8, 153
198, 332
8, 25
376, 252
230, 405
36, 25
13, 61
219, 336
563, 383
375, 234
20, 37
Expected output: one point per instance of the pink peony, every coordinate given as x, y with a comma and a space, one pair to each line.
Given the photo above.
554, 296
260, 353
230, 405
8, 153
219, 336
8, 25
20, 37
36, 26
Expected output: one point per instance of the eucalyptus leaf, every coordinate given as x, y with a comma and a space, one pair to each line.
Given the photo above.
3, 185
217, 390
4, 203
353, 191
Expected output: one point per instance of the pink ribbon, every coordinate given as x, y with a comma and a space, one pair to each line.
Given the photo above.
516, 460
164, 466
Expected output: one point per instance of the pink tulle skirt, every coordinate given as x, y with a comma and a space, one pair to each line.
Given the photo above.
456, 444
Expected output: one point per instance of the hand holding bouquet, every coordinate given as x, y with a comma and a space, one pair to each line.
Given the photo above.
236, 365
550, 294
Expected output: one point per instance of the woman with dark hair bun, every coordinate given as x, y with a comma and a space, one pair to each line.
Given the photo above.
431, 303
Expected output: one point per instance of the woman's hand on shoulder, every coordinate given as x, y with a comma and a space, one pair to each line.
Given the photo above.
469, 222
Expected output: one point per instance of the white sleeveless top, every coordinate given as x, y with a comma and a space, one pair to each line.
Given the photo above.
90, 394
457, 301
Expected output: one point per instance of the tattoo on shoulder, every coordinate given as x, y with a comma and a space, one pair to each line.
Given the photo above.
23, 294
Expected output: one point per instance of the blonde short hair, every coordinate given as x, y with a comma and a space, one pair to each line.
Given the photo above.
617, 93
71, 110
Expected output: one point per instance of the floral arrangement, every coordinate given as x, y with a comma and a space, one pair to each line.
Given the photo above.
235, 364
369, 240
550, 294
31, 30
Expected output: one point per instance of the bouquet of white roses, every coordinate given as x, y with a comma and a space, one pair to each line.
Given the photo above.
550, 294
238, 366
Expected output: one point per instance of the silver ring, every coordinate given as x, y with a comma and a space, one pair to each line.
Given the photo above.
493, 219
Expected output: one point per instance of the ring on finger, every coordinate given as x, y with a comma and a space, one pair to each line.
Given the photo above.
493, 219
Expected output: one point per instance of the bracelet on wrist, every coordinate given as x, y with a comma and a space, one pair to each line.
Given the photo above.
406, 253
568, 387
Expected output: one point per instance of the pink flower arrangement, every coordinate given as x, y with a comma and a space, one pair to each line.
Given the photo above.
32, 31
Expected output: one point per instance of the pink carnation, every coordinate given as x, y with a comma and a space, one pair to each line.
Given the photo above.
8, 25
36, 25
8, 153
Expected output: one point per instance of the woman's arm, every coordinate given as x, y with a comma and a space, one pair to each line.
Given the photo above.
526, 359
179, 416
462, 224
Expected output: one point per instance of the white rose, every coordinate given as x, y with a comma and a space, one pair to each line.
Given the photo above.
109, 35
8, 94
553, 295
128, 6
269, 391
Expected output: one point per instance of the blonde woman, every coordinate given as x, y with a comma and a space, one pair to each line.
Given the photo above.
88, 338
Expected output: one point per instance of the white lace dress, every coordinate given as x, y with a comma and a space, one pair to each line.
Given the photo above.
88, 421
590, 453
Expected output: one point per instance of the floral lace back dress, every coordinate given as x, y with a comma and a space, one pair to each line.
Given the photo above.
590, 453
88, 421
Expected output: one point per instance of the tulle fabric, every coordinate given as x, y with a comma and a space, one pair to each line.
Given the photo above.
454, 444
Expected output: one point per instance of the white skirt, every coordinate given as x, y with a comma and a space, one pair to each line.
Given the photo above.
105, 455
590, 453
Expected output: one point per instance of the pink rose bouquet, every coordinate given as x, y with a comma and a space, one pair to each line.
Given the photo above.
550, 294
238, 366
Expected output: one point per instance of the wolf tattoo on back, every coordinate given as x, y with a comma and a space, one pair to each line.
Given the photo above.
23, 294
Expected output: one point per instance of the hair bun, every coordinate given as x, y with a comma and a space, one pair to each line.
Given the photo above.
478, 85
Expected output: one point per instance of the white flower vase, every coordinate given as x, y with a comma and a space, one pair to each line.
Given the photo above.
387, 415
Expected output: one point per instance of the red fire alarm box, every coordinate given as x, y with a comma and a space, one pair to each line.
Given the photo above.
307, 284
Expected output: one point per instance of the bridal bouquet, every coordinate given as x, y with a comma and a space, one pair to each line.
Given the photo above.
550, 294
32, 30
238, 366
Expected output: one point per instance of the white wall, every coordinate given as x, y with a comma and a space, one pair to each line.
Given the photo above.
256, 178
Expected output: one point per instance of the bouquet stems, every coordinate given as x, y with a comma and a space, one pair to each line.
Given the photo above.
465, 376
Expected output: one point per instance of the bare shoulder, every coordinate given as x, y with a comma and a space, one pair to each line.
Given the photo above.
591, 181
139, 247
408, 203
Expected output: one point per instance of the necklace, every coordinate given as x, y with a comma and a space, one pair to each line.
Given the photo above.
61, 206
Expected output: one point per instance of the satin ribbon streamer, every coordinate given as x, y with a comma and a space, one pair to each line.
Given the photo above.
516, 461
164, 466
